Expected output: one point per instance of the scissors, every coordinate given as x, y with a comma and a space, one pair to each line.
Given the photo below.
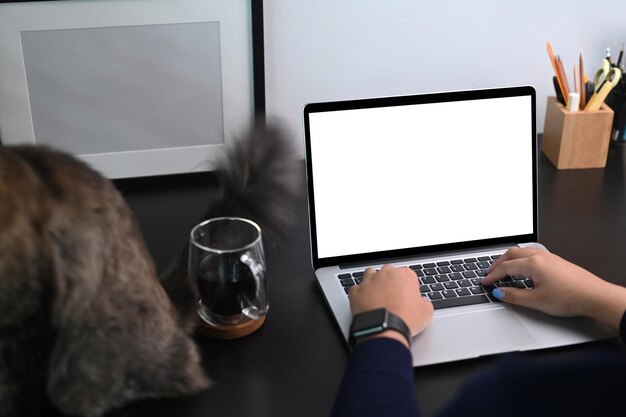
605, 79
606, 71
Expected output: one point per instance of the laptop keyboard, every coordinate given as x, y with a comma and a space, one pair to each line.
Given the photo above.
451, 283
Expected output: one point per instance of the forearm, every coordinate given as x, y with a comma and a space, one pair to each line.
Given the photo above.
606, 304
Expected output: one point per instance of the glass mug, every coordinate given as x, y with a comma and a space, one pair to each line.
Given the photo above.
227, 267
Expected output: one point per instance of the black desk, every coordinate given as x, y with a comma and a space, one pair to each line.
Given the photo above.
293, 365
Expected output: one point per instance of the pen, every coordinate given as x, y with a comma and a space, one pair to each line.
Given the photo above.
619, 59
607, 55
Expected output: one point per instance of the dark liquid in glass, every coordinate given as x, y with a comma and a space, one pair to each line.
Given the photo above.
226, 285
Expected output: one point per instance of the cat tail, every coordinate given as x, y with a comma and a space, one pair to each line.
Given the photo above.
259, 178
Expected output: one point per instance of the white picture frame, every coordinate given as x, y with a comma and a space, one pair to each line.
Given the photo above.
241, 99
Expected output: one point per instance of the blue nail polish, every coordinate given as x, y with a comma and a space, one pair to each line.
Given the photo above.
498, 293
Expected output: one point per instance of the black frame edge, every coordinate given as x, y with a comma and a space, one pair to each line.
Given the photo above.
258, 58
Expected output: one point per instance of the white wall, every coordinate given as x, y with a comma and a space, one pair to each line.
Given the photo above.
320, 50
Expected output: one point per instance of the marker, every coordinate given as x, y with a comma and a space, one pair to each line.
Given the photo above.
557, 90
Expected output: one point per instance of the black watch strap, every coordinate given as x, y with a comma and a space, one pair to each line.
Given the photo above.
377, 321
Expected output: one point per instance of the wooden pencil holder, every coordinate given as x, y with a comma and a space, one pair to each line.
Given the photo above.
574, 140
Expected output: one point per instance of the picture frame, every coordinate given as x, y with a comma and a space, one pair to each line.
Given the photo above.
133, 87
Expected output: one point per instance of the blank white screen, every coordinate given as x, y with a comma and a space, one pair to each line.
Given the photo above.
418, 175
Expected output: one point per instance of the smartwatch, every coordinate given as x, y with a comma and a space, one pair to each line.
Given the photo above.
376, 321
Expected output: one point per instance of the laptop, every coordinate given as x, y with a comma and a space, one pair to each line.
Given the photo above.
442, 183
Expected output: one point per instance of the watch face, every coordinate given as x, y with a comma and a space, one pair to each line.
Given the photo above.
369, 322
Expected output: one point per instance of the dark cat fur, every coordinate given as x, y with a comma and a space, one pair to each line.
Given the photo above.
85, 324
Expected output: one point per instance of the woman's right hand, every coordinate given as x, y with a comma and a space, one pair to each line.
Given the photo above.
560, 287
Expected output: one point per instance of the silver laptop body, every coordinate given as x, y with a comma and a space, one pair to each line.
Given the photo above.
430, 181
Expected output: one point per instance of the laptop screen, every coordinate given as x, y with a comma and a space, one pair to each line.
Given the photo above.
422, 172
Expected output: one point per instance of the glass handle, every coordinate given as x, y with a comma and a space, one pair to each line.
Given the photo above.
258, 272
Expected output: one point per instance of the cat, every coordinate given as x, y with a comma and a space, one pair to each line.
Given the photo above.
86, 326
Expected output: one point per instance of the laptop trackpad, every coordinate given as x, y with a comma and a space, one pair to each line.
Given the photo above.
472, 334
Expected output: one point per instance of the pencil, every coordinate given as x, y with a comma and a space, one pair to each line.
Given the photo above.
565, 86
556, 70
581, 74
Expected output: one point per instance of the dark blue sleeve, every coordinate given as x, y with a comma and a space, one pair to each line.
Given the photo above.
519, 385
378, 382
574, 385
